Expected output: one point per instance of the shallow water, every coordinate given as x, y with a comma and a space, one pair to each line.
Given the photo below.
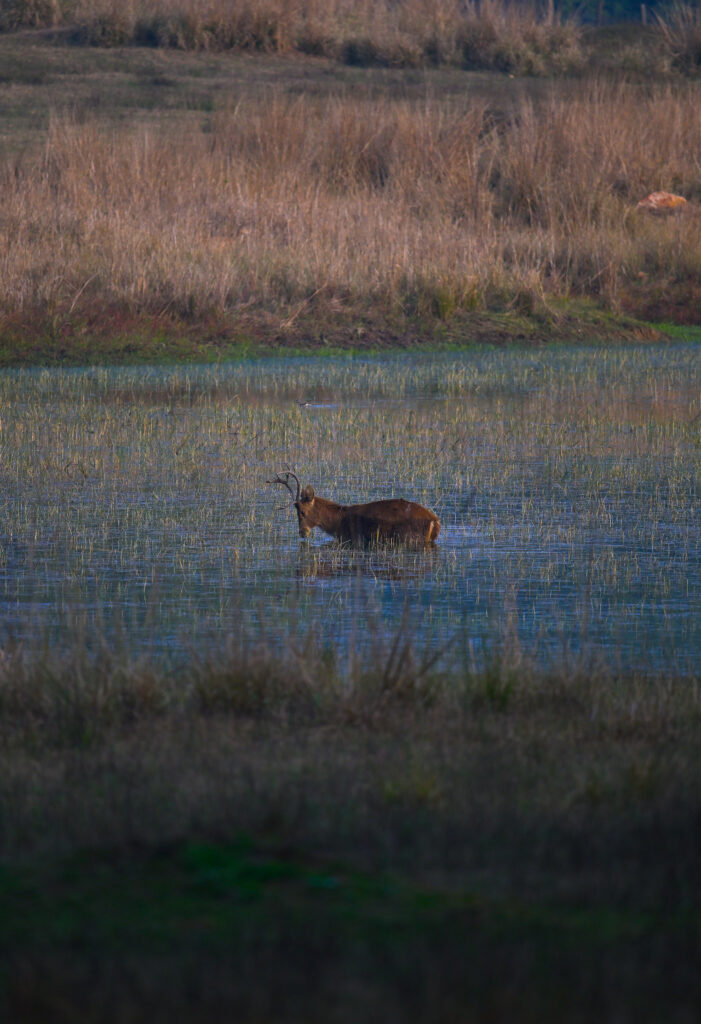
136, 511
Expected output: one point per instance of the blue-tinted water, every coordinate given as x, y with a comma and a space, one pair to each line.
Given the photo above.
136, 511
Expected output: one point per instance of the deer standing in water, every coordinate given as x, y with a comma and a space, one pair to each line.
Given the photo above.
392, 520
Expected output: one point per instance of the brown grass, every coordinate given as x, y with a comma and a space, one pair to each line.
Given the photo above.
413, 33
344, 208
679, 30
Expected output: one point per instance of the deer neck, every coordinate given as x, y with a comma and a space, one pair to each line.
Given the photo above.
327, 515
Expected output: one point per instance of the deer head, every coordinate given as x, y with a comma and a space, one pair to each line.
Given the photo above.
303, 501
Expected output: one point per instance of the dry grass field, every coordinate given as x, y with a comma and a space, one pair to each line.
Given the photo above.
299, 200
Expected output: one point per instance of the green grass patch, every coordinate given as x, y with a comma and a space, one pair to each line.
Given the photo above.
689, 332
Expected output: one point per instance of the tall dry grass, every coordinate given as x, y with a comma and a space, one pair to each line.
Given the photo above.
493, 34
679, 29
501, 35
285, 207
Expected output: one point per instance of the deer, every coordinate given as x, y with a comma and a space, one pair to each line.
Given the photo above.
393, 519
663, 203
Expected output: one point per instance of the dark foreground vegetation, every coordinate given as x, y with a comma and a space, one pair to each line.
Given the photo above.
282, 839
189, 200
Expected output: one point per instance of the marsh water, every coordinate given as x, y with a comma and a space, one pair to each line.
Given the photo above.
136, 511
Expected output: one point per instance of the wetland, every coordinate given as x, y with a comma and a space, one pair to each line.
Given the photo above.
136, 507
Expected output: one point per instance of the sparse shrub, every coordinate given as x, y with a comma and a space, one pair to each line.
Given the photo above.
16, 14
109, 23
514, 38
679, 29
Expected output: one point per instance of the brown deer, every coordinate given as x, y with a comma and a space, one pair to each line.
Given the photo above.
392, 520
663, 203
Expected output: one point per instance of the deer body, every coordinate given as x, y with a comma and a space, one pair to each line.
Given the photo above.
392, 520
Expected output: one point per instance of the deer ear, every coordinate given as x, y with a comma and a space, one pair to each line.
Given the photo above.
307, 494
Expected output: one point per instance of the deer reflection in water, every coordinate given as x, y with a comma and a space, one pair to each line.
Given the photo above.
388, 563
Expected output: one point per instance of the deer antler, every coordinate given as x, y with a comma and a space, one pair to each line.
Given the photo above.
285, 481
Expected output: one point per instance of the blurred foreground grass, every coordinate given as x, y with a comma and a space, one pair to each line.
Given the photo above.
268, 843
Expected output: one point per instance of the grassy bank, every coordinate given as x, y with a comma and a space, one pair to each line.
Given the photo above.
434, 844
117, 337
251, 202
